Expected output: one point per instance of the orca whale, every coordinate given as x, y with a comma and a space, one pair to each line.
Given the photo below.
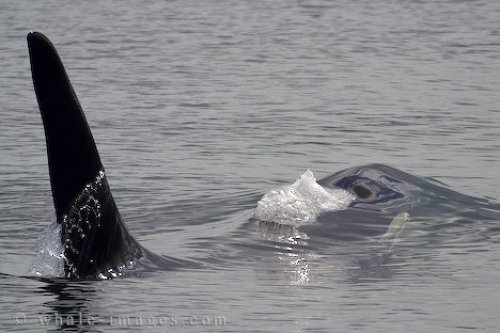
96, 243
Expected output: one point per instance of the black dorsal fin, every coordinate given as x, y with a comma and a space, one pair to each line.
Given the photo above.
73, 157
96, 241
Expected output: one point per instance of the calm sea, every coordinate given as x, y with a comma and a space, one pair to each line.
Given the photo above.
200, 107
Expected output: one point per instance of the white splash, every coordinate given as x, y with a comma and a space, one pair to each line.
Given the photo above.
49, 256
302, 202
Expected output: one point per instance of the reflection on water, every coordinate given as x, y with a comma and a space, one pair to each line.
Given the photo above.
69, 311
286, 237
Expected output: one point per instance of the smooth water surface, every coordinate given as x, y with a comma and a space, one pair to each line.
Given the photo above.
200, 107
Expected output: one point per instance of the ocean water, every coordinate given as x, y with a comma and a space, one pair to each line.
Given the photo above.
198, 108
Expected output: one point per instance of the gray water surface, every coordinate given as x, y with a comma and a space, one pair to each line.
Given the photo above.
200, 107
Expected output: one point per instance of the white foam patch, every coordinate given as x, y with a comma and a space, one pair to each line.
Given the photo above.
302, 202
49, 256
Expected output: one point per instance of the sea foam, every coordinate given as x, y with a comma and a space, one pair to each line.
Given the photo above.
301, 202
49, 257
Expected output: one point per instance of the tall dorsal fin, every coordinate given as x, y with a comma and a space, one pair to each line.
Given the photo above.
97, 243
72, 154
